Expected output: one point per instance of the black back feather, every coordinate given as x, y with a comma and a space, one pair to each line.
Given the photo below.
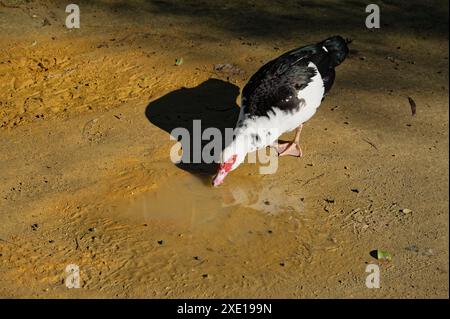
277, 83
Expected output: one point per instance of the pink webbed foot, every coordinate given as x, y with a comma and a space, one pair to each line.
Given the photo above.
291, 148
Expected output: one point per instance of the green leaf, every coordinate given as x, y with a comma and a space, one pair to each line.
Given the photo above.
178, 61
383, 255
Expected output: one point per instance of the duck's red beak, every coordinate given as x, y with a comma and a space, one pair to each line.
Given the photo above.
218, 178
223, 171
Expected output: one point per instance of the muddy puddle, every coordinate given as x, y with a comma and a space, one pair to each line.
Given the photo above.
190, 203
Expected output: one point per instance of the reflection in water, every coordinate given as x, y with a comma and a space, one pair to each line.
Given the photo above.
224, 217
267, 198
187, 201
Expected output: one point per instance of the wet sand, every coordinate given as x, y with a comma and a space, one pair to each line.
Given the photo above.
86, 177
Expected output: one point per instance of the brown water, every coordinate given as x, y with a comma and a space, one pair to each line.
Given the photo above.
190, 203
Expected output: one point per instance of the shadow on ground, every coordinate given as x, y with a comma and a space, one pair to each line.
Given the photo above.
268, 19
213, 103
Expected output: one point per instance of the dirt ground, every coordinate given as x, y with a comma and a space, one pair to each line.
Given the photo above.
86, 179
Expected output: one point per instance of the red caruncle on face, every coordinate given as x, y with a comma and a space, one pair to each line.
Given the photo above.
228, 164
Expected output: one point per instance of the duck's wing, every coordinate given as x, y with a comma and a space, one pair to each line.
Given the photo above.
277, 83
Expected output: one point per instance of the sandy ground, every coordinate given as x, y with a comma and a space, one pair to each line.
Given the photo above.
84, 153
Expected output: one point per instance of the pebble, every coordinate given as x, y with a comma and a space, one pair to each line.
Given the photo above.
406, 211
428, 252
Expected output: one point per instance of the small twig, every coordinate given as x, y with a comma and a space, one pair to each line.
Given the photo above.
413, 105
313, 178
370, 143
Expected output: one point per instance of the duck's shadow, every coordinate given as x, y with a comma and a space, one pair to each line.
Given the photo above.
213, 103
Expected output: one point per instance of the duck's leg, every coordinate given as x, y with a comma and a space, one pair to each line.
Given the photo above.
291, 148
